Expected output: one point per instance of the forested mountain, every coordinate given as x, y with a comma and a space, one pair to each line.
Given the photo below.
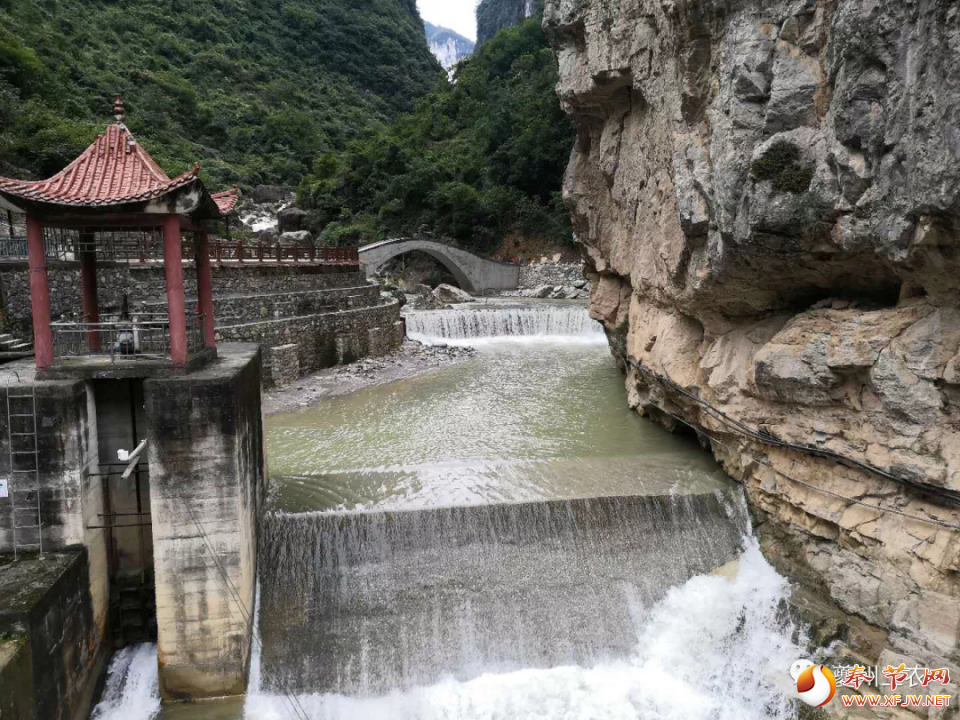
480, 158
447, 46
254, 89
496, 15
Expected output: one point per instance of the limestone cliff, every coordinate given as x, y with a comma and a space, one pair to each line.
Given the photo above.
768, 194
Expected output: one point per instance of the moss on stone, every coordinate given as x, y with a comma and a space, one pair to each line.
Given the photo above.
783, 165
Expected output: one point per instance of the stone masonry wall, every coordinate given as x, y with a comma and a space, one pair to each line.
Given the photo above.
143, 283
254, 307
537, 275
284, 364
315, 335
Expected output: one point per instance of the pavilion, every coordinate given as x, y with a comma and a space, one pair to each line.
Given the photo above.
112, 196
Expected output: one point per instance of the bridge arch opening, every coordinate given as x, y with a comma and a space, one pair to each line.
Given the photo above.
462, 281
416, 267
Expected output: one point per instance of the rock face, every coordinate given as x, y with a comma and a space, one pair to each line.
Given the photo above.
768, 194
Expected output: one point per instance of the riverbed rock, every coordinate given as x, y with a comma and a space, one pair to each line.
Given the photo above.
450, 294
263, 194
768, 200
301, 238
291, 219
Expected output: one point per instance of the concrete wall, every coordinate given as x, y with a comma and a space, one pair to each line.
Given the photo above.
474, 273
207, 481
48, 603
143, 283
63, 439
16, 674
71, 496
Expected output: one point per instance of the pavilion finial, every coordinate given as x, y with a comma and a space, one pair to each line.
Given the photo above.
118, 111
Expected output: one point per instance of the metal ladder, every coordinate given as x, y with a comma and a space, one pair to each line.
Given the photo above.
24, 469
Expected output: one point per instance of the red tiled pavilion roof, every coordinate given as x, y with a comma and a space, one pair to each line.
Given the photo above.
115, 170
226, 200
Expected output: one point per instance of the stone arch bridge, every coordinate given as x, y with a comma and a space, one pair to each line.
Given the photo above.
473, 272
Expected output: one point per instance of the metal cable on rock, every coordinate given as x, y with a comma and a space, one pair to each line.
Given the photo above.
768, 439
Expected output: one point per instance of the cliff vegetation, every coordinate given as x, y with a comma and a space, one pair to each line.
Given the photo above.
254, 89
479, 158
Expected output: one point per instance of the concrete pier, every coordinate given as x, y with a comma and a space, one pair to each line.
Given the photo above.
207, 480
52, 649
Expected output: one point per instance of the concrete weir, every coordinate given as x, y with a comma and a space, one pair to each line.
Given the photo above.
372, 602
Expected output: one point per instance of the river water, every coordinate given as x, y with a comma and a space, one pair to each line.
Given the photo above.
538, 414
500, 539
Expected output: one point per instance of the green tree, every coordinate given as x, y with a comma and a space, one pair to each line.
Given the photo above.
479, 158
253, 89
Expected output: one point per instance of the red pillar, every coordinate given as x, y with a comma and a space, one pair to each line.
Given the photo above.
173, 272
39, 294
205, 289
88, 289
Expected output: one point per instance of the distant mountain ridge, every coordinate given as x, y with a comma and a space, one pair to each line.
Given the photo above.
447, 46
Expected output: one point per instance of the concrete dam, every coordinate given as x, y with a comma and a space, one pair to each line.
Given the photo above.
490, 554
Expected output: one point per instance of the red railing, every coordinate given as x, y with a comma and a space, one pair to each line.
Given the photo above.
239, 251
141, 245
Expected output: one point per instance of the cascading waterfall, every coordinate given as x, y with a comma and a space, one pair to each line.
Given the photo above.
368, 603
539, 322
131, 692
554, 611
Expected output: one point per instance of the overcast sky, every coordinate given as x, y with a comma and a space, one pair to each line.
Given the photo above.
457, 15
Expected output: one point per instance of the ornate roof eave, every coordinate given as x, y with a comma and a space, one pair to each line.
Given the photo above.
189, 199
115, 175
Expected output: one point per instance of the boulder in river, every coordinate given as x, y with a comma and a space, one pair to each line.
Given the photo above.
268, 194
450, 294
268, 237
299, 238
291, 219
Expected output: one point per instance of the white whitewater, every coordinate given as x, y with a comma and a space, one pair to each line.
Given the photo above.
132, 690
537, 323
715, 648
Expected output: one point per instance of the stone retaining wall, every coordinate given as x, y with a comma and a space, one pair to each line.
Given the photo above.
324, 339
284, 364
535, 276
236, 309
146, 283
